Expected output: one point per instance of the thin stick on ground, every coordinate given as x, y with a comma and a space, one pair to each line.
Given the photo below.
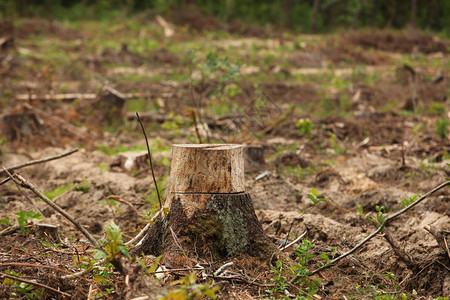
23, 182
150, 160
141, 234
379, 229
5, 181
35, 162
22, 264
34, 283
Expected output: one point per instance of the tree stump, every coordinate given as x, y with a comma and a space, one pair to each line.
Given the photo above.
210, 216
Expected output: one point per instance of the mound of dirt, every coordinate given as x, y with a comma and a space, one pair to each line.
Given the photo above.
47, 28
405, 42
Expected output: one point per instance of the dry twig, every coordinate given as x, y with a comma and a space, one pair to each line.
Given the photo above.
23, 182
141, 234
53, 268
35, 162
379, 229
34, 283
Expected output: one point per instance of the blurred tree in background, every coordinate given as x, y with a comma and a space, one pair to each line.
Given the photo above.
299, 15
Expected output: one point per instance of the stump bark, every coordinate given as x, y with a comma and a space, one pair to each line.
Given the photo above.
210, 216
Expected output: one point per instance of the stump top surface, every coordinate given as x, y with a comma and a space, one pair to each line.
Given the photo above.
207, 168
208, 146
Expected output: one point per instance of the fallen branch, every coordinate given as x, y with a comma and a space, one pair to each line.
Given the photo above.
222, 268
141, 234
72, 96
35, 162
23, 182
34, 283
379, 229
54, 268
293, 242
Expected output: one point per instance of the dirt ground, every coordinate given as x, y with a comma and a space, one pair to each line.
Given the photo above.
371, 105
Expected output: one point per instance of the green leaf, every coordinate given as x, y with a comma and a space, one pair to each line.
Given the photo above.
99, 254
324, 256
211, 292
113, 233
154, 266
314, 192
312, 197
123, 249
5, 221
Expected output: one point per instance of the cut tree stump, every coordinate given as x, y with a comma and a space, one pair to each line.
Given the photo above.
210, 216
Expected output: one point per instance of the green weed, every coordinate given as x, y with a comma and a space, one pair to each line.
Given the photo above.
299, 172
442, 127
187, 288
83, 186
59, 191
23, 217
305, 126
113, 245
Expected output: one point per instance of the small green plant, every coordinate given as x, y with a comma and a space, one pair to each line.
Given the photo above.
23, 219
187, 288
409, 200
305, 285
305, 126
113, 245
6, 221
299, 172
314, 196
59, 191
83, 186
437, 108
380, 217
360, 210
338, 150
21, 288
442, 127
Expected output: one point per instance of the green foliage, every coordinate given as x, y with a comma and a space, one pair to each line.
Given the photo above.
23, 217
299, 172
437, 108
409, 200
307, 286
315, 197
220, 68
113, 245
6, 221
442, 127
59, 191
83, 186
305, 126
360, 209
22, 289
187, 288
156, 145
380, 217
113, 150
154, 266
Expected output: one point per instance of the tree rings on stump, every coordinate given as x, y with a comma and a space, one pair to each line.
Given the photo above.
210, 216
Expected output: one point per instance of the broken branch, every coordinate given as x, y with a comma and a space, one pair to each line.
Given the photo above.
34, 283
379, 229
23, 182
35, 162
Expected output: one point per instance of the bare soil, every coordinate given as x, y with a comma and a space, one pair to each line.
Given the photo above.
374, 154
